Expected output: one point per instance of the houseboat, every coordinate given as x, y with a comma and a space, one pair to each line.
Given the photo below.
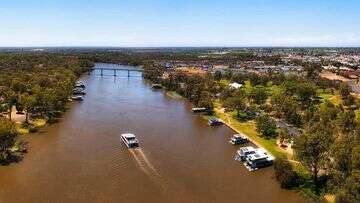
156, 86
130, 140
243, 152
215, 122
198, 110
258, 160
78, 91
79, 86
77, 98
239, 139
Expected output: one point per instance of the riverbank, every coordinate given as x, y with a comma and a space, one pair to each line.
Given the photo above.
249, 129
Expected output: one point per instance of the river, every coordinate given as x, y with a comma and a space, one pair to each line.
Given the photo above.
181, 159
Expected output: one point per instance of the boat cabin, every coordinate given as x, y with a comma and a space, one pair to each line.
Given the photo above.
243, 152
259, 159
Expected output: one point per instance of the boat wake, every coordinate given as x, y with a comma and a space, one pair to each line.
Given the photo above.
145, 165
147, 162
165, 186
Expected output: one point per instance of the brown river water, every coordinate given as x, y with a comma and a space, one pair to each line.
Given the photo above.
181, 158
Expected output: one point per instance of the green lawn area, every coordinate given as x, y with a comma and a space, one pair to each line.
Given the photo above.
274, 89
174, 95
327, 95
357, 115
224, 82
37, 123
249, 129
247, 87
336, 100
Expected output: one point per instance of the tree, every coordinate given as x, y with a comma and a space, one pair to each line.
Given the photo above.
206, 101
8, 135
355, 157
312, 148
290, 87
306, 91
228, 74
266, 126
217, 75
346, 121
341, 152
344, 90
287, 108
313, 70
259, 94
28, 102
9, 97
350, 192
285, 174
153, 72
236, 102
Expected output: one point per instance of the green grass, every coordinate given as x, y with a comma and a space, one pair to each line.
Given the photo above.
336, 100
329, 96
247, 87
249, 129
35, 125
224, 82
272, 89
174, 95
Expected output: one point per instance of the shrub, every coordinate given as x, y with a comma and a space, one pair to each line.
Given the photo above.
8, 136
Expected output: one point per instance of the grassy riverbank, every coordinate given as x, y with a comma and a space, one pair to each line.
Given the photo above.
32, 127
249, 129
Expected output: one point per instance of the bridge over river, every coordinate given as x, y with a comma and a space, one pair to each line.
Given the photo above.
109, 71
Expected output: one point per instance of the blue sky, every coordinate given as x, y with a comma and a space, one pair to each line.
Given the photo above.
152, 23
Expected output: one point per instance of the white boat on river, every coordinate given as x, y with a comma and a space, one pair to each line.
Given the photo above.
130, 140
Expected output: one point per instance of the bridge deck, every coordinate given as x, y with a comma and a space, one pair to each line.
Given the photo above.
115, 70
120, 69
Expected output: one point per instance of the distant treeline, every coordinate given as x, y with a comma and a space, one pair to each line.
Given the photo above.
142, 58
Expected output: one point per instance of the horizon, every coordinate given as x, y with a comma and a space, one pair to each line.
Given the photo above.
180, 47
147, 24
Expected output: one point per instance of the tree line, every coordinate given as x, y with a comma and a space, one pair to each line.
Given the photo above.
37, 85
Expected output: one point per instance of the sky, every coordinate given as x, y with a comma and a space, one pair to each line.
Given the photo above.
179, 23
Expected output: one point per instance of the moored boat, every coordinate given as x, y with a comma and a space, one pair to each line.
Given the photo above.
198, 109
215, 122
243, 152
156, 86
257, 160
77, 98
78, 91
239, 139
79, 84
